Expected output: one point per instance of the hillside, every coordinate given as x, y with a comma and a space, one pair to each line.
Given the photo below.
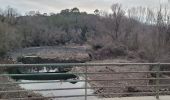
110, 35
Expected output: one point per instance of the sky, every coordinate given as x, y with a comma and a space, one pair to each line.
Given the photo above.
48, 6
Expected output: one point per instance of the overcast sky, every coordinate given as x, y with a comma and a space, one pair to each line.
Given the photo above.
84, 5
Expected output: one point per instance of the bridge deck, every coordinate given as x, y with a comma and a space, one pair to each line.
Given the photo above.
139, 98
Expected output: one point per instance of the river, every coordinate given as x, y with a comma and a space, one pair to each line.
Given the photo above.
44, 50
59, 92
55, 85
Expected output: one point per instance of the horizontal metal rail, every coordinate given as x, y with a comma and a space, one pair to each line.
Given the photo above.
86, 74
11, 91
68, 96
77, 64
39, 73
49, 81
36, 82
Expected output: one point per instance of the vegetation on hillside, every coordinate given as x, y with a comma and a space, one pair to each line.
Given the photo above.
138, 31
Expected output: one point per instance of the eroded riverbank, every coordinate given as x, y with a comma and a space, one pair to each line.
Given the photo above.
122, 86
13, 87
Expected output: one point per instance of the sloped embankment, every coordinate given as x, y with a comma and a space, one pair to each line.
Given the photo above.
121, 86
13, 87
53, 54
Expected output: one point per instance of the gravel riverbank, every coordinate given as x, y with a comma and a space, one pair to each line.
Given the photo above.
122, 86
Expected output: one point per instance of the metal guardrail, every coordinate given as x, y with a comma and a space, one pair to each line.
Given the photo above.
157, 85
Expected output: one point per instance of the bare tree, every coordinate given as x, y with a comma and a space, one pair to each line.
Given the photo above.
97, 12
117, 15
10, 14
150, 17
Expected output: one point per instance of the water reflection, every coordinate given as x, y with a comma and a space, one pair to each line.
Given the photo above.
59, 77
59, 92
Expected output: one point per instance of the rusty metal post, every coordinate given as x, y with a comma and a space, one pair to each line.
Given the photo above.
85, 82
157, 81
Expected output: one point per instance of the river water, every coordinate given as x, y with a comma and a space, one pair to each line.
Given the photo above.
36, 50
55, 85
58, 92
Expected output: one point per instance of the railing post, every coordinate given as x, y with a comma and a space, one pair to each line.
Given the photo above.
85, 82
157, 81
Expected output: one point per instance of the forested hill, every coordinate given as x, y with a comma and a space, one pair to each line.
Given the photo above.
69, 26
118, 33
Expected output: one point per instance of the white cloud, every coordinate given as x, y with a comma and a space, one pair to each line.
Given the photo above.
84, 5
